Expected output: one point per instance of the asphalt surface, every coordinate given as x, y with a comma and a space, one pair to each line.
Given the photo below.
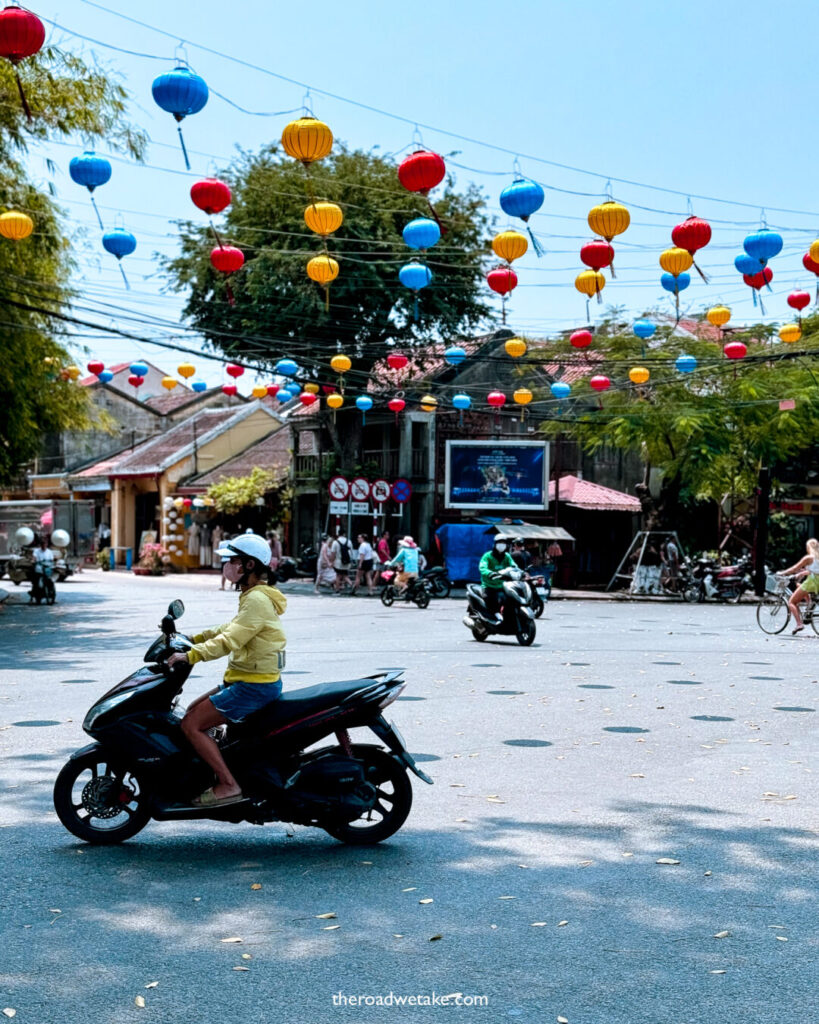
628, 734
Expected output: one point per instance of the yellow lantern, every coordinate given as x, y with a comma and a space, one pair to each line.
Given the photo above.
515, 347
169, 383
186, 370
16, 225
311, 389
676, 261
790, 333
72, 372
259, 391
341, 364
523, 396
307, 139
429, 403
718, 315
638, 374
590, 282
814, 251
323, 218
178, 502
509, 245
335, 400
609, 219
322, 269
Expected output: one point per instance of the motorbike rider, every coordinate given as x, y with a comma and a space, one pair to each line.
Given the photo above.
254, 640
42, 556
493, 561
520, 556
407, 559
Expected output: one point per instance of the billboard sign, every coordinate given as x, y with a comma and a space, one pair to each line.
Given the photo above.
498, 475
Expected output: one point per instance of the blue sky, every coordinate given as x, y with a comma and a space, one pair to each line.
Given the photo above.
708, 99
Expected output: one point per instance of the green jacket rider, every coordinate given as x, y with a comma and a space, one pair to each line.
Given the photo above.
493, 561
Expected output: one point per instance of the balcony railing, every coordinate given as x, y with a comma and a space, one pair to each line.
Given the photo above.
306, 467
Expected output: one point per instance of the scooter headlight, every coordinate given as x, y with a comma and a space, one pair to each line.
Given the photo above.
104, 707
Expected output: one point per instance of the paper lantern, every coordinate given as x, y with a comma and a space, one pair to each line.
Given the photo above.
181, 93
600, 383
364, 403
135, 380
609, 219
421, 171
199, 386
22, 34
341, 363
119, 243
72, 372
229, 389
789, 333
428, 403
139, 368
581, 339
312, 388
718, 316
186, 370
502, 280
232, 370
210, 195
522, 396
96, 366
396, 405
763, 245
515, 347
335, 401
560, 389
169, 383
813, 252
323, 218
735, 350
14, 224
272, 389
104, 376
676, 261
590, 282
685, 363
509, 245
746, 264
227, 259
414, 275
90, 171
693, 234
307, 398
497, 399
644, 329
286, 368
758, 281
322, 269
259, 391
638, 375
673, 284
799, 300
397, 361
461, 401
521, 199
307, 139
455, 355
283, 395
597, 254
421, 233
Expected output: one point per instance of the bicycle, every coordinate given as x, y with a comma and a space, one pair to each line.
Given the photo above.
773, 613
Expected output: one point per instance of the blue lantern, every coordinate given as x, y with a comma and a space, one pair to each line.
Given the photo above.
415, 276
421, 233
560, 389
746, 264
180, 92
521, 199
455, 355
644, 329
461, 401
139, 369
119, 243
761, 246
283, 395
90, 171
677, 284
292, 389
364, 402
286, 368
199, 386
686, 364
104, 376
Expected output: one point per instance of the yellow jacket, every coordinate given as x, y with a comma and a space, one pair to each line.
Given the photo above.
253, 638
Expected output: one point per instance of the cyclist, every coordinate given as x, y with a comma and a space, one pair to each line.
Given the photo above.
807, 569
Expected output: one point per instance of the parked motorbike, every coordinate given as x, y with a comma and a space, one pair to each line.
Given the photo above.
708, 579
515, 618
305, 565
140, 766
419, 590
441, 583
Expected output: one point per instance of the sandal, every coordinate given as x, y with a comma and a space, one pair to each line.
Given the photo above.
209, 799
797, 630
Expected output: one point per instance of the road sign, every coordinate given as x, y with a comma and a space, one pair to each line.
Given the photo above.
339, 488
381, 491
360, 489
339, 508
360, 508
401, 490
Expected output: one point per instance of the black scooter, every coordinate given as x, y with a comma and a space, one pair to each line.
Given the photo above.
515, 618
141, 766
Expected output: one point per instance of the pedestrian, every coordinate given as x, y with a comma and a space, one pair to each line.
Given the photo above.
325, 571
275, 548
224, 559
651, 564
382, 550
366, 558
342, 557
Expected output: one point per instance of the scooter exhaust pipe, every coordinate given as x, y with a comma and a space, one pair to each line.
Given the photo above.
469, 622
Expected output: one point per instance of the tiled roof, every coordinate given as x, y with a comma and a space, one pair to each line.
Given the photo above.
425, 362
179, 397
93, 379
272, 452
584, 494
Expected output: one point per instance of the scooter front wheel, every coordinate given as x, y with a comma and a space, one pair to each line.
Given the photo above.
526, 631
387, 596
100, 802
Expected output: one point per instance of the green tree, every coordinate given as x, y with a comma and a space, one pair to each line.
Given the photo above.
69, 98
708, 431
279, 311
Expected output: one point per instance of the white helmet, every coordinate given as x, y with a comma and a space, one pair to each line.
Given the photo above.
250, 544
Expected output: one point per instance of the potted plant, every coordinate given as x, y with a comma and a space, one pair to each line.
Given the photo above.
151, 560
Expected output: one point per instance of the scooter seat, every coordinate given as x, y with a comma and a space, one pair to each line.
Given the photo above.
308, 700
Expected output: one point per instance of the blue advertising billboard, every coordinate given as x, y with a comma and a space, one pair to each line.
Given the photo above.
497, 475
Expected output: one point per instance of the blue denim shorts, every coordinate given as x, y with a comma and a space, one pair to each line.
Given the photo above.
238, 700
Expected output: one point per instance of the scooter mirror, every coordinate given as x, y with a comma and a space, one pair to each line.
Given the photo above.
176, 609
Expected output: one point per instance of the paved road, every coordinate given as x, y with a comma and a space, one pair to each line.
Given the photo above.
564, 772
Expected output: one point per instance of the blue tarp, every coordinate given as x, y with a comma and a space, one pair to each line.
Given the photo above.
462, 546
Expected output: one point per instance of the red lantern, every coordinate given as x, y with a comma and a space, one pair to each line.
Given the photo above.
328, 389
397, 361
272, 389
187, 502
232, 370
759, 280
600, 383
227, 259
735, 350
597, 254
396, 405
421, 171
22, 34
502, 280
307, 398
796, 300
692, 234
496, 399
581, 339
229, 389
211, 195
96, 366
136, 381
810, 264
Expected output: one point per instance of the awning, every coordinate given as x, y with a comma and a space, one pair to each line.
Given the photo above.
528, 531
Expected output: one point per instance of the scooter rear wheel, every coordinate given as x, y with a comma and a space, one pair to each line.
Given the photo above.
392, 806
99, 802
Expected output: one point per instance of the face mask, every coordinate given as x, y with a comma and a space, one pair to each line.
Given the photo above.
233, 572
500, 547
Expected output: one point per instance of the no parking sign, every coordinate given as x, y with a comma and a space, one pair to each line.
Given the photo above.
401, 490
